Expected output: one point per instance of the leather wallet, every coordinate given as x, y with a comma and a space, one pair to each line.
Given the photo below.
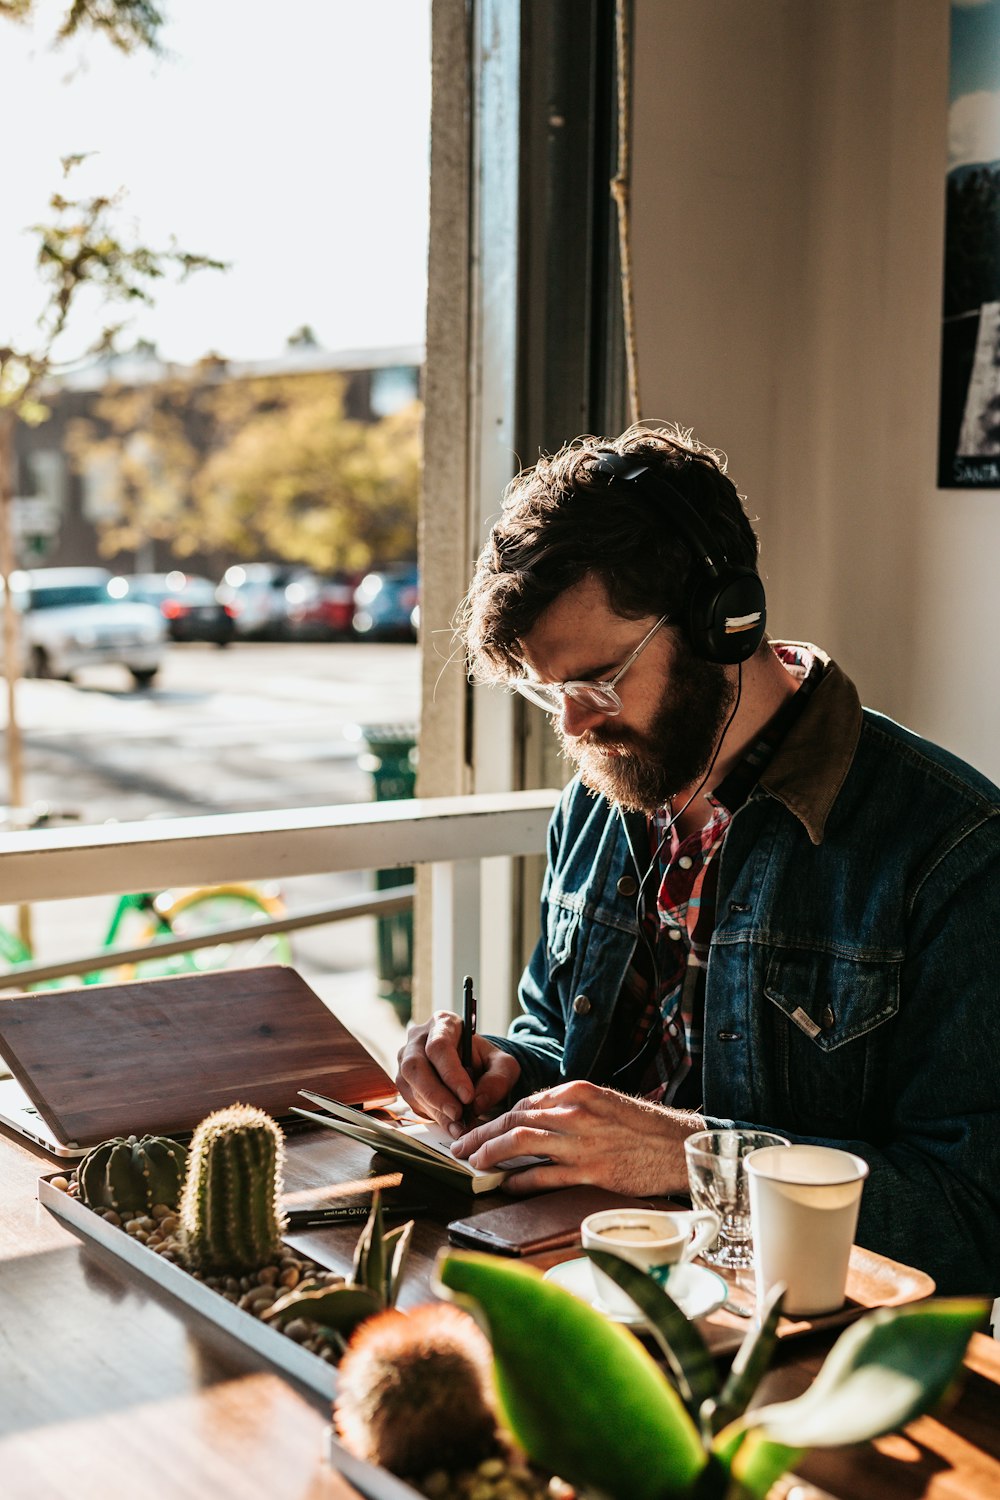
531, 1226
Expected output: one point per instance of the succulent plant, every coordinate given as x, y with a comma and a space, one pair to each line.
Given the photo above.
414, 1392
377, 1274
584, 1398
230, 1208
132, 1175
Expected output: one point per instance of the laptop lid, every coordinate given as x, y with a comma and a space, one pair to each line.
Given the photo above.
154, 1056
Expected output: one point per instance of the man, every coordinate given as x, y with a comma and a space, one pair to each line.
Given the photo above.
764, 905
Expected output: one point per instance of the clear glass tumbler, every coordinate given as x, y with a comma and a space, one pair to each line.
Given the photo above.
718, 1180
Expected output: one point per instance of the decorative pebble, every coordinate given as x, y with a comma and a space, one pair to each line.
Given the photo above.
62, 1183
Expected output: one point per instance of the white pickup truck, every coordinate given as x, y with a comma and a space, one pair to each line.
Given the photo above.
72, 618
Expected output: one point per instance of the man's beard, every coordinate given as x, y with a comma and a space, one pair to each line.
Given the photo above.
673, 754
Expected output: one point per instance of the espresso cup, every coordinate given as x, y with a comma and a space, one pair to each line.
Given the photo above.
804, 1203
650, 1239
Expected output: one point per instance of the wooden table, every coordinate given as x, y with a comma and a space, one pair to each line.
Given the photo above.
109, 1388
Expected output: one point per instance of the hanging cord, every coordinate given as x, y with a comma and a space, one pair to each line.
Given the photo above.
650, 948
620, 184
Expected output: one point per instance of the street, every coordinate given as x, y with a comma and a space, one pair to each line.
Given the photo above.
250, 727
256, 725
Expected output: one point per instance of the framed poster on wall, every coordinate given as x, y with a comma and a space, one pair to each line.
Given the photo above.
969, 425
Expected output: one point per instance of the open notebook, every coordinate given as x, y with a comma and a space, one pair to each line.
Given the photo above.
398, 1132
157, 1055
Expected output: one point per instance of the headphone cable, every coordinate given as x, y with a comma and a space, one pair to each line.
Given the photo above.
671, 822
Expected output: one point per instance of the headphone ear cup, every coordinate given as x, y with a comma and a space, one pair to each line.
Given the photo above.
727, 615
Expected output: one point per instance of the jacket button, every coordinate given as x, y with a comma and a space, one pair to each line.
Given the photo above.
627, 886
581, 1006
827, 1019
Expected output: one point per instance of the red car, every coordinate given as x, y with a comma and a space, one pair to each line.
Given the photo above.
321, 608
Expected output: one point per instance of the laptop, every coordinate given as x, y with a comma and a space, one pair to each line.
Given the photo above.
155, 1056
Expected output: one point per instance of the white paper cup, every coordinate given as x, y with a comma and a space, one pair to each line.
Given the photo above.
648, 1238
804, 1203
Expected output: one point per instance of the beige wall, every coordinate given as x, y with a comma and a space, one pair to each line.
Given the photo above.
788, 194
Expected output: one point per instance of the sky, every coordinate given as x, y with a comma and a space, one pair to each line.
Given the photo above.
290, 139
974, 112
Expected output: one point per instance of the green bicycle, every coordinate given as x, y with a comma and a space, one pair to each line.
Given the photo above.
140, 920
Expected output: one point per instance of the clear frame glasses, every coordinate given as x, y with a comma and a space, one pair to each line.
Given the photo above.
599, 697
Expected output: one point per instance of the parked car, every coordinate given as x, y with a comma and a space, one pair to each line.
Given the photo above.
187, 603
255, 592
384, 603
321, 608
72, 618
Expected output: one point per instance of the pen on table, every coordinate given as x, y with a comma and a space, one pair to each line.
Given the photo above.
347, 1213
468, 1032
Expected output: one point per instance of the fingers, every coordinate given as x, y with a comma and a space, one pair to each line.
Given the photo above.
535, 1127
497, 1071
433, 1081
542, 1179
431, 1078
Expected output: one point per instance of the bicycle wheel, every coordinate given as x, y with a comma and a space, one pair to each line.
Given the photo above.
203, 910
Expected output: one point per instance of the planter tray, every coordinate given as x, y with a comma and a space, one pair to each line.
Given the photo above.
274, 1346
372, 1482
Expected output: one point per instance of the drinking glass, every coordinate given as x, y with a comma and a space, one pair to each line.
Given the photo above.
718, 1181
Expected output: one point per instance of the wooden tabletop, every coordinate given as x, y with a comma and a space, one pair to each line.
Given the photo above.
109, 1388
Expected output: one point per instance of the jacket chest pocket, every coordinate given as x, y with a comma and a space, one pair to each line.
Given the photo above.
828, 1033
560, 937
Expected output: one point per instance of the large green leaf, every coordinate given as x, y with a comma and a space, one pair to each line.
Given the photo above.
683, 1346
888, 1368
580, 1393
747, 1369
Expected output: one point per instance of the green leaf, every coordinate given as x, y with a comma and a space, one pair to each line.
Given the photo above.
397, 1245
340, 1307
579, 1392
759, 1462
891, 1366
369, 1254
683, 1346
748, 1368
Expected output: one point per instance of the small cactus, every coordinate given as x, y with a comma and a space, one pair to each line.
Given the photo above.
230, 1207
415, 1392
132, 1175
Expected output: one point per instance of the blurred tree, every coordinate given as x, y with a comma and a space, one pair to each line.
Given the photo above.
263, 465
127, 24
81, 248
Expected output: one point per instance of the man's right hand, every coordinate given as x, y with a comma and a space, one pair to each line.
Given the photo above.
433, 1082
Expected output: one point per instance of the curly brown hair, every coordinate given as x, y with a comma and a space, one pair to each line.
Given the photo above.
562, 520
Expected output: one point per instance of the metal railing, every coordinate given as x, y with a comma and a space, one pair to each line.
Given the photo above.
451, 834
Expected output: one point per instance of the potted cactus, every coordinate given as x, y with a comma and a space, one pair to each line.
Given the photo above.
130, 1174
584, 1398
230, 1209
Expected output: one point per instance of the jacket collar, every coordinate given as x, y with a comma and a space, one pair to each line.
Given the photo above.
809, 767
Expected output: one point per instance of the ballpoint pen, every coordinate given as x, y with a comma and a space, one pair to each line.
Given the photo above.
468, 1032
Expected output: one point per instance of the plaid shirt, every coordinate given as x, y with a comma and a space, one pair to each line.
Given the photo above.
664, 991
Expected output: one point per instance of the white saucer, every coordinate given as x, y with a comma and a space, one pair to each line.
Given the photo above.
696, 1290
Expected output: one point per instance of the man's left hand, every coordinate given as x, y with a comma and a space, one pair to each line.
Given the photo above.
588, 1135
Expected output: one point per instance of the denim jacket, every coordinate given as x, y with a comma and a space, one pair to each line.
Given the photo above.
852, 994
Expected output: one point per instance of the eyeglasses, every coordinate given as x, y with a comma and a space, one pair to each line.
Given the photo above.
599, 697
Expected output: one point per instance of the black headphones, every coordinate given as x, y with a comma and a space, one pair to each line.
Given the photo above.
726, 611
